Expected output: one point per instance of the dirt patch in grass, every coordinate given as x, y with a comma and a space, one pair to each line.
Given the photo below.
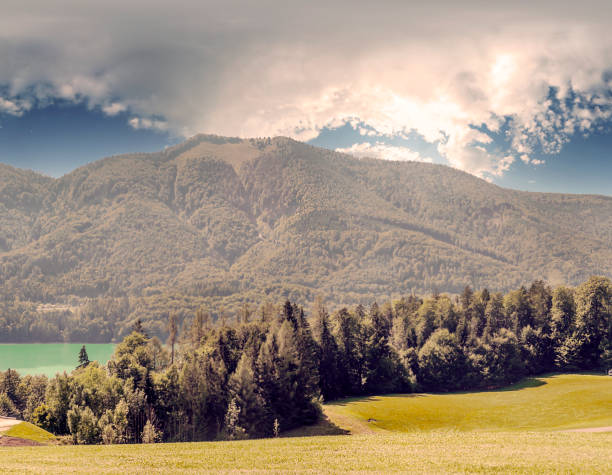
6, 441
593, 429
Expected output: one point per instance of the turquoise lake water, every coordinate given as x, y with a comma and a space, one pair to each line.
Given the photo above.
50, 358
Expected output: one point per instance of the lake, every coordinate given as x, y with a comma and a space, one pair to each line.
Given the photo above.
50, 358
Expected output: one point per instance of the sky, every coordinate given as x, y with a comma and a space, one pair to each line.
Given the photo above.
518, 93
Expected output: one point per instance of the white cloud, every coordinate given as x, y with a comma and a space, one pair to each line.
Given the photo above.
144, 123
13, 107
114, 108
384, 151
269, 68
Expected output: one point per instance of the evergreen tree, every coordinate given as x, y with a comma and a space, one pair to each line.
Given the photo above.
478, 320
244, 315
446, 315
7, 406
348, 335
287, 391
426, 321
83, 358
381, 363
197, 328
245, 394
329, 356
494, 315
138, 328
518, 309
232, 429
172, 334
289, 314
308, 356
150, 435
193, 394
466, 299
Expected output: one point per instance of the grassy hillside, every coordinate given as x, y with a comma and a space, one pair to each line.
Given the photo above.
558, 402
218, 221
28, 431
507, 431
434, 452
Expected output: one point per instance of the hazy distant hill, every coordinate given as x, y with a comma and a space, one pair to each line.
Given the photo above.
228, 219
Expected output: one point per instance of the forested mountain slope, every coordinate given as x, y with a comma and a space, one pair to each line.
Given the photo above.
226, 220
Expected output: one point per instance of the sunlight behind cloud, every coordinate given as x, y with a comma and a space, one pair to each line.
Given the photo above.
265, 69
384, 151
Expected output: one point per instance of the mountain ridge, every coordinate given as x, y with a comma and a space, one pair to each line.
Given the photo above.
227, 220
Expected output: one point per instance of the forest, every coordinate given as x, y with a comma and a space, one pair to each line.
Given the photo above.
269, 370
215, 222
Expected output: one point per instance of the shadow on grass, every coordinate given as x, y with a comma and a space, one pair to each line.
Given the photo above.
348, 400
523, 384
323, 427
531, 382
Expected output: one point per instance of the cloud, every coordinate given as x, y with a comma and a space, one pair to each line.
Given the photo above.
144, 123
537, 73
114, 108
384, 151
13, 107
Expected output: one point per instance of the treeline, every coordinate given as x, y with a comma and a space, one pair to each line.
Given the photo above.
94, 321
269, 371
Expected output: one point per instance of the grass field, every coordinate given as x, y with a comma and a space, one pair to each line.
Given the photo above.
433, 452
28, 431
555, 402
418, 434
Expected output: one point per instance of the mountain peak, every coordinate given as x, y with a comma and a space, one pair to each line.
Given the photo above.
218, 218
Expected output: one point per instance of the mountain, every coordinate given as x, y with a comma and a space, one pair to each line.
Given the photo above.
225, 220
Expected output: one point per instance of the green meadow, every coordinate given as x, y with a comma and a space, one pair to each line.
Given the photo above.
525, 428
433, 452
556, 402
28, 431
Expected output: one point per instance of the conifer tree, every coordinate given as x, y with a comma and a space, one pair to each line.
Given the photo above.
308, 355
381, 363
197, 328
232, 429
467, 297
245, 393
138, 327
172, 334
494, 315
426, 319
83, 358
150, 435
328, 363
518, 309
348, 335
